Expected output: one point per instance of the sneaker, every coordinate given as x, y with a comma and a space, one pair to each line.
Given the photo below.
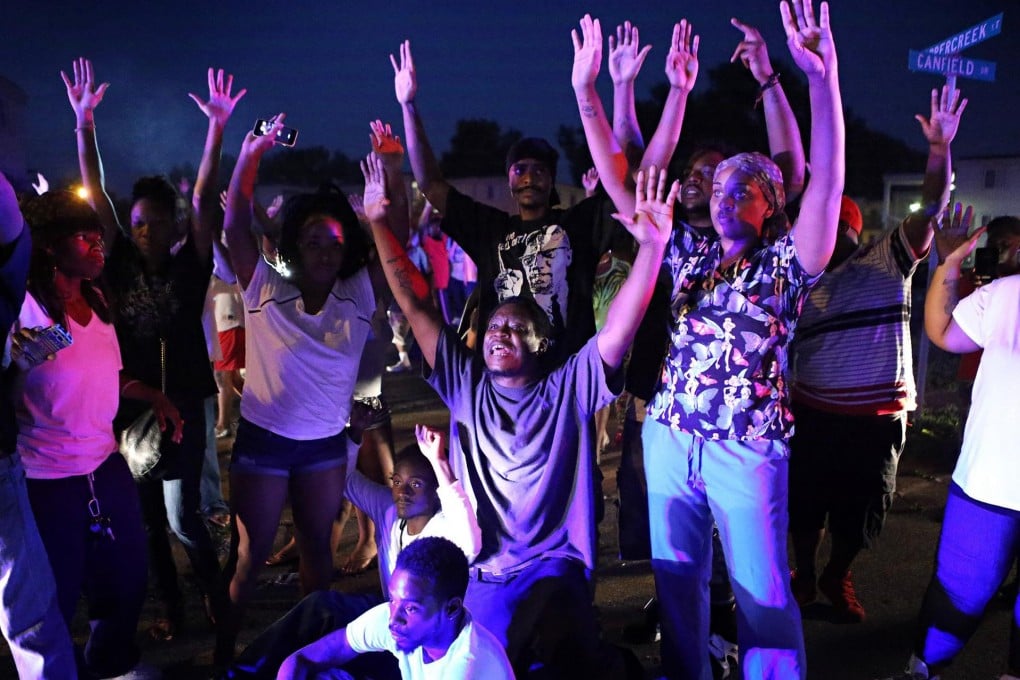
915, 670
724, 656
804, 589
843, 596
399, 367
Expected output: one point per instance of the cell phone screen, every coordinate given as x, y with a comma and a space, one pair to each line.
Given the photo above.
286, 136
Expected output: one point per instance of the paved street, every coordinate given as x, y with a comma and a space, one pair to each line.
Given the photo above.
890, 580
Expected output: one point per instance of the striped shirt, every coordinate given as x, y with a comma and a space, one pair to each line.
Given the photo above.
852, 352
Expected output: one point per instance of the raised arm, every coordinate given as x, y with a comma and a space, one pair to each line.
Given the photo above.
812, 48
625, 59
785, 144
423, 161
409, 287
940, 130
237, 215
457, 508
85, 95
217, 109
315, 660
953, 245
682, 73
387, 147
610, 161
650, 225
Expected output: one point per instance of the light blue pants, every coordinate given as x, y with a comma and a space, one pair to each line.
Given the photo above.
30, 617
743, 487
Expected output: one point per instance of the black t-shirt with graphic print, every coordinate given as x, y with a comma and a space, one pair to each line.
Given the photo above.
551, 260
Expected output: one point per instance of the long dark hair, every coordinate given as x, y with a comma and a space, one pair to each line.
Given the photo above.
328, 200
52, 217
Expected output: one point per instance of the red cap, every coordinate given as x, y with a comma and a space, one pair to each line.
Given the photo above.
851, 214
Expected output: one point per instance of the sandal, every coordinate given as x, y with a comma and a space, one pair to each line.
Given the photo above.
163, 629
285, 555
356, 566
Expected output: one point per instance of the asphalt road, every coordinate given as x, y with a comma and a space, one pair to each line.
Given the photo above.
890, 579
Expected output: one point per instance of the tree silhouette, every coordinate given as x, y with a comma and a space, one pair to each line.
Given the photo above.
478, 149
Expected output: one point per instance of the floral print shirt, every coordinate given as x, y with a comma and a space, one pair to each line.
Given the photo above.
725, 372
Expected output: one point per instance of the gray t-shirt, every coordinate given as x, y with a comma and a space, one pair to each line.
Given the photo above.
526, 455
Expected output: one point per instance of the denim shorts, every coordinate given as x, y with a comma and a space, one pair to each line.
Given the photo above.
259, 451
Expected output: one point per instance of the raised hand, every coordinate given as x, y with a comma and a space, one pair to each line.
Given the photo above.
587, 52
752, 51
258, 144
386, 144
951, 237
375, 187
82, 91
810, 41
626, 54
358, 206
941, 127
590, 181
405, 82
220, 104
42, 186
432, 443
682, 60
652, 221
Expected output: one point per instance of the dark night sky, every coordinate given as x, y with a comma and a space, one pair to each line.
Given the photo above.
326, 65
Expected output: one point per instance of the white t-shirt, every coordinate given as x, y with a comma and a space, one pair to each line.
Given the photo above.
65, 407
474, 654
301, 368
988, 469
456, 521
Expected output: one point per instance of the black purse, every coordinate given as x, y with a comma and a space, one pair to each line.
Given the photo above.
141, 441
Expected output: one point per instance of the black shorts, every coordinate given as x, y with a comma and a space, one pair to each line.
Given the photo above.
843, 467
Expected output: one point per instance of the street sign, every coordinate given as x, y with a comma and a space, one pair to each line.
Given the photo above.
944, 56
952, 65
989, 28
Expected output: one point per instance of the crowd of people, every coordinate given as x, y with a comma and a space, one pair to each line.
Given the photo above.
730, 305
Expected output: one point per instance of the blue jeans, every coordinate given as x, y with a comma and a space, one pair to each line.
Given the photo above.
176, 502
211, 487
29, 615
542, 615
978, 545
111, 573
743, 487
317, 615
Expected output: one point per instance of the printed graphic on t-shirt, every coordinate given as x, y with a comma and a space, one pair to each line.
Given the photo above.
535, 265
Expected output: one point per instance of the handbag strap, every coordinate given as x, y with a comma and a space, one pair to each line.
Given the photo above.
162, 364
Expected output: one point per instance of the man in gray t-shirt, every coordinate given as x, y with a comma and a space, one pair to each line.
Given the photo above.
522, 439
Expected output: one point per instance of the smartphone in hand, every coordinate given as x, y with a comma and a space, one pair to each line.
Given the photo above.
286, 136
53, 339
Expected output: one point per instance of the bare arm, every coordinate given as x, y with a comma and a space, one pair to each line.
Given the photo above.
409, 287
244, 253
85, 96
785, 144
813, 50
11, 221
682, 73
625, 59
940, 130
328, 652
650, 226
423, 161
953, 246
609, 158
217, 109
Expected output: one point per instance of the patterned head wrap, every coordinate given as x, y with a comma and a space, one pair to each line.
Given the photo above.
763, 172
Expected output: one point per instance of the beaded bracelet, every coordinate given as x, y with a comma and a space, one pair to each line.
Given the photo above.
769, 83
